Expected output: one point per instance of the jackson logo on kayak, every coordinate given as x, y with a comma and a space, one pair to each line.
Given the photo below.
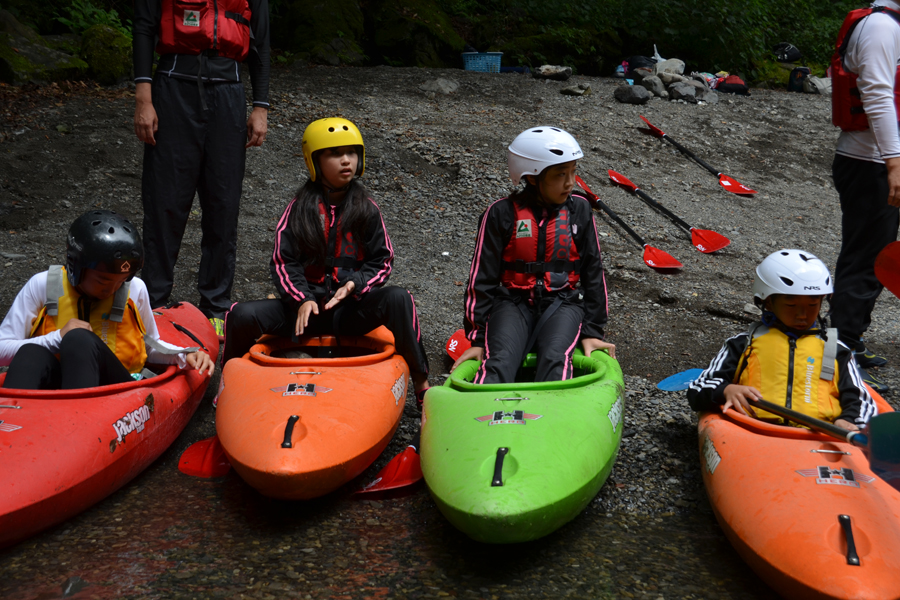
301, 389
516, 417
711, 455
844, 476
131, 421
8, 427
615, 413
399, 389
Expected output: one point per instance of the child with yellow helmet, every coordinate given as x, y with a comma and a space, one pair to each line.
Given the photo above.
331, 259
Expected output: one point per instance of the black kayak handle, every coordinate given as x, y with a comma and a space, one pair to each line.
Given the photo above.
852, 556
289, 431
497, 481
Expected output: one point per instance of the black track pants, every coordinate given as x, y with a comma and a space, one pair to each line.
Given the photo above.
507, 331
390, 306
84, 361
196, 151
868, 224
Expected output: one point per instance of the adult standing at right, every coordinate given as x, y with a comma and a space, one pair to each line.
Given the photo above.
866, 166
192, 118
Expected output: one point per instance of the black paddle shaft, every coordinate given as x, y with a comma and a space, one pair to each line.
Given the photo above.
856, 438
624, 225
646, 198
691, 155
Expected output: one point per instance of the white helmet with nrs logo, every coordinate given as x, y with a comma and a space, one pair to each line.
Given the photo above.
537, 148
793, 272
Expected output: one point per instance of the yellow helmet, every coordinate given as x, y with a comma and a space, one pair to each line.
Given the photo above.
331, 133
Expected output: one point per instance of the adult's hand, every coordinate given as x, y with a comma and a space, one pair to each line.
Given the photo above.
893, 172
591, 344
257, 126
736, 396
74, 324
343, 291
307, 307
471, 352
146, 123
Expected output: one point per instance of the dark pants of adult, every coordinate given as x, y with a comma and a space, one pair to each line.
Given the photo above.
198, 151
84, 361
507, 331
868, 224
390, 306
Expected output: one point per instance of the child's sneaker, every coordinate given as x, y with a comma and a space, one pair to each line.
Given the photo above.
867, 359
873, 382
420, 398
219, 325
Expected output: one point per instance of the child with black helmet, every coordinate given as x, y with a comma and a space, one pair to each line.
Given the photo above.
789, 357
331, 260
536, 276
88, 323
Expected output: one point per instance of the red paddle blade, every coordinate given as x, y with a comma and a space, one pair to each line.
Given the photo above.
656, 258
457, 344
708, 241
205, 458
887, 267
622, 180
404, 469
656, 130
734, 186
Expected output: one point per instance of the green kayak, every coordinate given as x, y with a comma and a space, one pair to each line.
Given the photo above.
513, 462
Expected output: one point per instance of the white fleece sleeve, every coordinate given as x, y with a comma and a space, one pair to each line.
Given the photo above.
18, 321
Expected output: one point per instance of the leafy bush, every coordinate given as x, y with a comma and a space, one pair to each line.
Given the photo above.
83, 14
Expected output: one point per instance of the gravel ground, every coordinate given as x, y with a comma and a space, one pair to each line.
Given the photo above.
434, 164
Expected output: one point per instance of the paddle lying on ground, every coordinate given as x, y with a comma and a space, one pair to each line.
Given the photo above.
704, 240
887, 267
402, 470
205, 458
654, 257
725, 181
881, 439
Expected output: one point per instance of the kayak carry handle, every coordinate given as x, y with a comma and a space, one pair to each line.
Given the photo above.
852, 556
289, 431
497, 481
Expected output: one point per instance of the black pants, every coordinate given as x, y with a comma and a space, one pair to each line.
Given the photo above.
198, 152
507, 331
390, 306
84, 361
868, 224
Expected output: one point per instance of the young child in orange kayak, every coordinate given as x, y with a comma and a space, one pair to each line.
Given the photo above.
331, 260
536, 276
787, 358
88, 323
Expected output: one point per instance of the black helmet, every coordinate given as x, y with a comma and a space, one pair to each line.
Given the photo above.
104, 241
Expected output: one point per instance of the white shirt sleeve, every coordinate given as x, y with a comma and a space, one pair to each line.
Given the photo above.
138, 294
18, 321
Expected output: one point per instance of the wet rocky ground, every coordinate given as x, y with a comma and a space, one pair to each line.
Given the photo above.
434, 163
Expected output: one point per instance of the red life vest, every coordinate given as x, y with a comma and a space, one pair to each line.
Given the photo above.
846, 105
343, 253
545, 248
193, 26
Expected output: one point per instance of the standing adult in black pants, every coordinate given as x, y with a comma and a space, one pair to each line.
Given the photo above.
866, 167
192, 117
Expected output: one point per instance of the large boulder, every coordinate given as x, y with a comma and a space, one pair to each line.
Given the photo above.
323, 31
414, 33
632, 94
108, 54
25, 57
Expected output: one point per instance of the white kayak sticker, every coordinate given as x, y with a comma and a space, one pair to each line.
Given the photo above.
399, 389
710, 455
8, 427
615, 413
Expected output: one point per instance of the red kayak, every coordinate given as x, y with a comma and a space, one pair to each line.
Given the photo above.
63, 451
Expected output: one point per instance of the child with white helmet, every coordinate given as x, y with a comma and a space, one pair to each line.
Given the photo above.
787, 358
537, 276
331, 259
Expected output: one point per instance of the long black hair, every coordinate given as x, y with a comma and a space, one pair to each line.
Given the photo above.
306, 224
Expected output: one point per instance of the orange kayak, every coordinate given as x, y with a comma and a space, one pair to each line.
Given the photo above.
789, 500
299, 428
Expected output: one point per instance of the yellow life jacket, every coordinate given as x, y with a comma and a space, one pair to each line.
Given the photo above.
799, 374
115, 320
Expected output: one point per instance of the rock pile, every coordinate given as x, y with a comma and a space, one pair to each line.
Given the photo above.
666, 79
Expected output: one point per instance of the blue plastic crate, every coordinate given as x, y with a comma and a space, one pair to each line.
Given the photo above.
485, 62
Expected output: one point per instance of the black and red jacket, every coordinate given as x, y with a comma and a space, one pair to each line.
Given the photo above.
570, 263
367, 262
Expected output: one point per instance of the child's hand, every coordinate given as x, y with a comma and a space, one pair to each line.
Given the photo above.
736, 397
307, 307
343, 291
74, 324
845, 424
200, 361
475, 352
591, 344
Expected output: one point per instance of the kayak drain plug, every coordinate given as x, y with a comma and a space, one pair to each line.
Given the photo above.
497, 481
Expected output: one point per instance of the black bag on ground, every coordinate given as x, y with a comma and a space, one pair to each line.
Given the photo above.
798, 75
785, 52
733, 85
637, 62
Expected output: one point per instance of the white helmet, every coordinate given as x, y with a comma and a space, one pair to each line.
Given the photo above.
793, 272
537, 148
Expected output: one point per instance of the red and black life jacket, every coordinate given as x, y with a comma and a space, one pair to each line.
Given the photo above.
342, 252
195, 26
544, 248
846, 105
